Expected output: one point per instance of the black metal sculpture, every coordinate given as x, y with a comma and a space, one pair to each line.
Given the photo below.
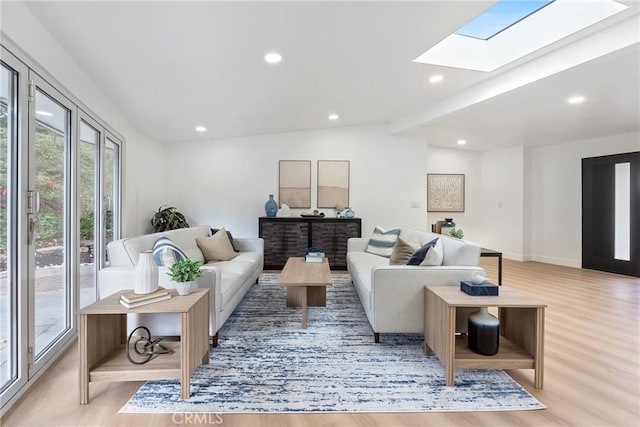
144, 347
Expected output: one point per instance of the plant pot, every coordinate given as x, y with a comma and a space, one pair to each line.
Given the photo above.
185, 288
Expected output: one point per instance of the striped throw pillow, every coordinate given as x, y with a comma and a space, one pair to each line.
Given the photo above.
382, 242
166, 253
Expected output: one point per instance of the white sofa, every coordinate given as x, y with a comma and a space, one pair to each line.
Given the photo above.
228, 281
393, 295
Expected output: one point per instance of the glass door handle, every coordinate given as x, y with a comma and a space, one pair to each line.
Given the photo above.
33, 207
32, 229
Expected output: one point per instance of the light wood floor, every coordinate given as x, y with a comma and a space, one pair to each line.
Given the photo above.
591, 373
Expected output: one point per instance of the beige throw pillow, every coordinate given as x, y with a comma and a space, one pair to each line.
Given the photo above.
217, 247
402, 251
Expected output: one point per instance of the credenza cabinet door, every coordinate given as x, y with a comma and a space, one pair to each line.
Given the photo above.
283, 240
287, 237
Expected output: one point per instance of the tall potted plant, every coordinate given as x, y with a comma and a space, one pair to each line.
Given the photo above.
184, 273
168, 218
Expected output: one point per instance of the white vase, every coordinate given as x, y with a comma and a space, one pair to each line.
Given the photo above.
185, 288
146, 274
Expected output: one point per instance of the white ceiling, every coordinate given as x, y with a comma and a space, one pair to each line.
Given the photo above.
169, 66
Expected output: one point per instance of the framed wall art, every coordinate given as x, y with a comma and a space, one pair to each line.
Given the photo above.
333, 183
295, 183
445, 192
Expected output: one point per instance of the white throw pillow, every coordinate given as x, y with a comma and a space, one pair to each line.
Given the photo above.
382, 242
434, 255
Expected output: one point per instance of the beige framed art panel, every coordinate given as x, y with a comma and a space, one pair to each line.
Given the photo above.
333, 183
445, 192
295, 183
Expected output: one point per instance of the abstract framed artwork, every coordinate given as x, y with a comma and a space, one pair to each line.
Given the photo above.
295, 183
445, 192
333, 183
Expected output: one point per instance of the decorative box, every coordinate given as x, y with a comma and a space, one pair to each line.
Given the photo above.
482, 289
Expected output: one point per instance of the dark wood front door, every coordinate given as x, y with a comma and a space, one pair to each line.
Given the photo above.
610, 195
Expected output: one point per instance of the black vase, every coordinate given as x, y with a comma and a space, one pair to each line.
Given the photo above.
484, 332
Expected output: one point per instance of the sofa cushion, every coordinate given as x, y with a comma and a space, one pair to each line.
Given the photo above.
434, 255
419, 255
217, 247
363, 262
166, 253
402, 252
382, 242
230, 286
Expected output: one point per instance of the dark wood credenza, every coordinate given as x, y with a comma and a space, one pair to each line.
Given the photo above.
293, 236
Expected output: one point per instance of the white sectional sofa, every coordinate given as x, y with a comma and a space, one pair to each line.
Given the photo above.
228, 281
393, 295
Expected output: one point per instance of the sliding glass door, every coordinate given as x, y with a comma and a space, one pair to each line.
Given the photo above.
88, 201
10, 338
59, 207
49, 220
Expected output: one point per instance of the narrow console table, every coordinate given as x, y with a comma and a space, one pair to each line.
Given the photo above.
293, 236
103, 337
484, 252
521, 331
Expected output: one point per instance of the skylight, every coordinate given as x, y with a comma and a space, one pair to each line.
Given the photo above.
499, 17
486, 47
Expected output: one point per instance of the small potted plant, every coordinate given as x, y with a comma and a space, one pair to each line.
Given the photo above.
184, 273
457, 233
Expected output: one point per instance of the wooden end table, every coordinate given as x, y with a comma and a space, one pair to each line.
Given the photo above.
306, 284
103, 338
521, 331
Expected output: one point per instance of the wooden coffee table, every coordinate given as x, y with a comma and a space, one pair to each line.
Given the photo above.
306, 284
521, 331
103, 336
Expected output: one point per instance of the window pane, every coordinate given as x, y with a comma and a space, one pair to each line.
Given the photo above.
8, 315
622, 246
111, 189
88, 164
499, 17
51, 292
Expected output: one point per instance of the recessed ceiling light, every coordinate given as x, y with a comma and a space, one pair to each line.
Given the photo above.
44, 113
436, 78
578, 99
273, 58
462, 141
333, 116
201, 129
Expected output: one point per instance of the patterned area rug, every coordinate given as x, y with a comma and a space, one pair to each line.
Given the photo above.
266, 363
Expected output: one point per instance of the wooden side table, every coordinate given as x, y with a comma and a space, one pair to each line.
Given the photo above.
103, 337
521, 331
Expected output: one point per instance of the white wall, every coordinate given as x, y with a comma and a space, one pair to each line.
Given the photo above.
469, 163
502, 201
225, 183
141, 155
556, 177
494, 212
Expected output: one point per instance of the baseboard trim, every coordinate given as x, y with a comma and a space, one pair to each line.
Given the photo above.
557, 261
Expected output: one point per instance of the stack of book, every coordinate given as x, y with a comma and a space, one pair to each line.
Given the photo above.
132, 300
314, 256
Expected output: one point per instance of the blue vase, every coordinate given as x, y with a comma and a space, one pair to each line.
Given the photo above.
271, 207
